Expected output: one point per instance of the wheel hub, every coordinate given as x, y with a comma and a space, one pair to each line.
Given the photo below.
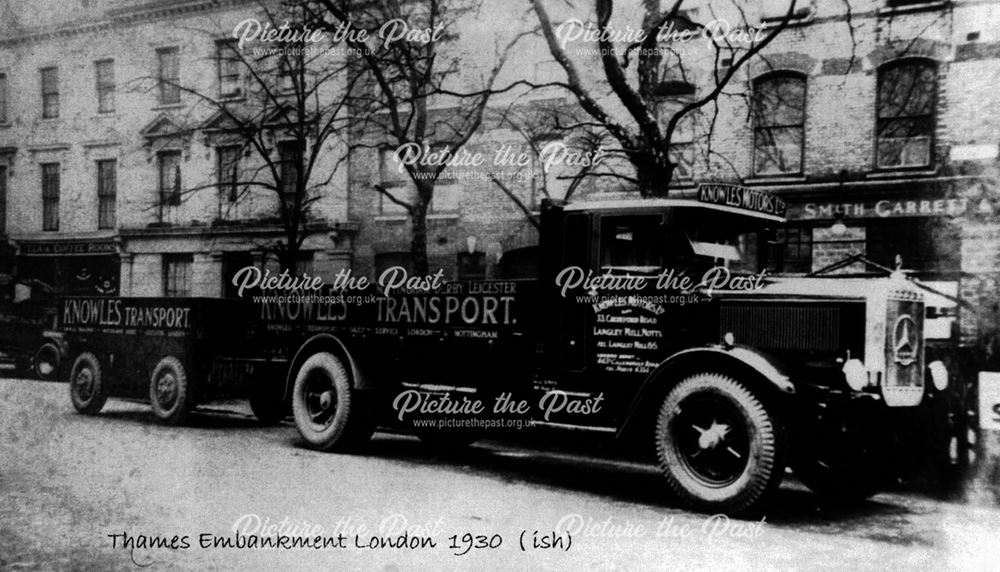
711, 438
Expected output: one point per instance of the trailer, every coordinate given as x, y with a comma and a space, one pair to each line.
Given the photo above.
176, 353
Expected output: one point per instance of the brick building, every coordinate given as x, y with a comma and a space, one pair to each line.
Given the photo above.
89, 146
821, 119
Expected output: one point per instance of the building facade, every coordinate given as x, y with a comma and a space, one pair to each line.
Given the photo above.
100, 119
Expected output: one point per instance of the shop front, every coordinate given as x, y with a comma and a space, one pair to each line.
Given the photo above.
71, 266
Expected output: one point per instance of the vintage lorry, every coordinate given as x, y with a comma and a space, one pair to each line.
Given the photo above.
175, 352
29, 340
650, 321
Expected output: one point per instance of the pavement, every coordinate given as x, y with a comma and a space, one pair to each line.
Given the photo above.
74, 488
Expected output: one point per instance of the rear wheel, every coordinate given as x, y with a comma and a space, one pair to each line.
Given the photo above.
329, 413
86, 385
170, 392
46, 362
718, 446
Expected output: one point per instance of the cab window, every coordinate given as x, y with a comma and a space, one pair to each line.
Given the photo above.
632, 243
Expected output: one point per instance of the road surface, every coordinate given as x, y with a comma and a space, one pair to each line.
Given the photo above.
75, 488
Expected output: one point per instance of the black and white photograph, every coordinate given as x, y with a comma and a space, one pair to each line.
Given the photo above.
401, 285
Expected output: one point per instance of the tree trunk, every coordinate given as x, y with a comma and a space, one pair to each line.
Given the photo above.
653, 171
418, 228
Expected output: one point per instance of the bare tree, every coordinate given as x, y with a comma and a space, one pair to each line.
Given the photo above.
412, 91
273, 115
653, 75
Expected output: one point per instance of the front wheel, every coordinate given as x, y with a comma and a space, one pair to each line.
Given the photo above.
328, 412
170, 391
718, 445
86, 384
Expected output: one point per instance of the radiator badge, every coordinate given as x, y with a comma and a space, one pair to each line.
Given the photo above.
904, 346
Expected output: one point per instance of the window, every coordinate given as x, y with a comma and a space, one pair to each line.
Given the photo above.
50, 92
50, 196
3, 99
170, 179
907, 92
229, 70
3, 199
233, 262
286, 75
779, 118
387, 260
177, 275
791, 250
631, 242
291, 159
107, 192
391, 171
681, 152
471, 266
104, 70
228, 159
169, 75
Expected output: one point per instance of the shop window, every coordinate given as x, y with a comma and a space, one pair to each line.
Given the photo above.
104, 70
50, 196
791, 250
177, 275
50, 92
925, 246
907, 93
779, 112
471, 266
107, 192
386, 260
518, 263
233, 262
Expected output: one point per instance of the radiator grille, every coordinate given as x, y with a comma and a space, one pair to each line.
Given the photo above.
783, 327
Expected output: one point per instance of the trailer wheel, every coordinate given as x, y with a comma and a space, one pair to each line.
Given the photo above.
86, 385
717, 444
46, 362
327, 411
170, 392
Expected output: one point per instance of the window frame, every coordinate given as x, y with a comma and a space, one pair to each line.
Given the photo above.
107, 194
170, 286
105, 87
51, 182
221, 63
168, 198
758, 127
169, 93
931, 117
50, 92
229, 188
289, 175
4, 98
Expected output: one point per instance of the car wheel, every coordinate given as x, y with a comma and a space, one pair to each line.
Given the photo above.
718, 445
170, 392
86, 384
328, 412
46, 362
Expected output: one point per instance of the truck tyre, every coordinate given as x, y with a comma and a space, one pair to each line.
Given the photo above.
86, 385
170, 392
718, 446
328, 411
45, 364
